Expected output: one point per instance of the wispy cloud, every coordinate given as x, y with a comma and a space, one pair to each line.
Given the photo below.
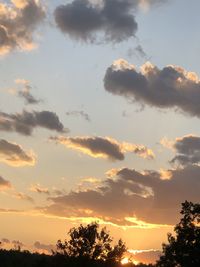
80, 113
25, 92
4, 184
39, 189
22, 196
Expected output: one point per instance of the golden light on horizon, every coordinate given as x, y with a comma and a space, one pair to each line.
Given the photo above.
127, 260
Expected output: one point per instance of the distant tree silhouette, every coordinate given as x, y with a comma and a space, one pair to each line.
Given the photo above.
90, 242
184, 249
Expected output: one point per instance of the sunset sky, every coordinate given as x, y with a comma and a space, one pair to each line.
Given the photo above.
99, 118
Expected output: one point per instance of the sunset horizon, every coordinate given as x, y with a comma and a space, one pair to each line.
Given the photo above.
99, 120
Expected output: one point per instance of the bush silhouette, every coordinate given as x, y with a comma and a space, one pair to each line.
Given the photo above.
90, 242
184, 248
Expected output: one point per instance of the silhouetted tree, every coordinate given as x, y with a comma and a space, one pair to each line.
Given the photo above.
184, 248
90, 242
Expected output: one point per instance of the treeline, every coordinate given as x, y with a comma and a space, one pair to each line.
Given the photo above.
17, 258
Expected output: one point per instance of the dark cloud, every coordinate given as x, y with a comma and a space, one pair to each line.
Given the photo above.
188, 150
4, 184
25, 122
170, 87
83, 19
81, 113
18, 22
149, 196
103, 147
14, 155
97, 20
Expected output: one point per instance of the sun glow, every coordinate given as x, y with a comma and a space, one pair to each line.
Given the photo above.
124, 261
128, 260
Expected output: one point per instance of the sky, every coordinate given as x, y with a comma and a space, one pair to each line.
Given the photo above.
99, 119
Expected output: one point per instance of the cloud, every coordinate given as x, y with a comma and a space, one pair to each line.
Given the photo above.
14, 155
25, 92
82, 20
44, 248
39, 189
146, 4
5, 240
23, 196
4, 184
18, 23
188, 150
145, 256
25, 122
81, 113
101, 20
167, 143
170, 87
17, 244
103, 147
2, 210
137, 51
132, 198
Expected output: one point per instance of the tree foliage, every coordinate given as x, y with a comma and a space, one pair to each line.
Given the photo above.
184, 248
88, 241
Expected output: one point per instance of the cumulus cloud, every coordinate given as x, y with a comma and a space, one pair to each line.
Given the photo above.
25, 122
25, 92
39, 189
18, 23
170, 87
80, 113
14, 155
137, 199
4, 184
187, 149
84, 19
100, 20
103, 147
